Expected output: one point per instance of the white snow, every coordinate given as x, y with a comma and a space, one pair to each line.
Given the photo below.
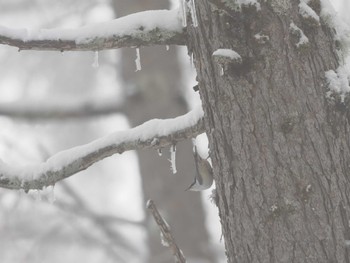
273, 208
306, 11
173, 158
260, 36
138, 60
146, 131
338, 81
224, 57
228, 53
330, 16
303, 40
127, 25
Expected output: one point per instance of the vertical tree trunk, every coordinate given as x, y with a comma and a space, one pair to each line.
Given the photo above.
279, 147
155, 93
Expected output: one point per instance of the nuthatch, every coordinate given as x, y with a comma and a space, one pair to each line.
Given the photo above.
204, 176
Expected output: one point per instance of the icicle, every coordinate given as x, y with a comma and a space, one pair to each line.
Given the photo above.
183, 9
193, 13
163, 240
222, 71
191, 60
167, 47
95, 63
22, 193
46, 194
137, 60
160, 152
50, 194
35, 194
173, 158
194, 145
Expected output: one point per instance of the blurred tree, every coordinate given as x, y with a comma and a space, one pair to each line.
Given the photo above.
156, 92
80, 224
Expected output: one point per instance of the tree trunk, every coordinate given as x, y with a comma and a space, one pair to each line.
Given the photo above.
279, 146
155, 93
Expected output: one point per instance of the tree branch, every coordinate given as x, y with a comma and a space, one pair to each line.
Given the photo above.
156, 27
166, 235
152, 134
41, 110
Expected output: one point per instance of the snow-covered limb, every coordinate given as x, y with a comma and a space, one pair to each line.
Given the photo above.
40, 110
156, 27
152, 134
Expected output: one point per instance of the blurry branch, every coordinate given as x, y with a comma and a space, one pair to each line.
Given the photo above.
167, 238
148, 28
154, 134
41, 110
79, 207
106, 224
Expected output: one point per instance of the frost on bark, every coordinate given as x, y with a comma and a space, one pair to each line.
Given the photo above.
279, 147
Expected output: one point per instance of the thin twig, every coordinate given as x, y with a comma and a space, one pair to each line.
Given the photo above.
166, 236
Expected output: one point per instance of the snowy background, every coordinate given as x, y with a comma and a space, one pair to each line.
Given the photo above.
96, 215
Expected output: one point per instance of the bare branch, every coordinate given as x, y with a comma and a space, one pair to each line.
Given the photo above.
166, 235
148, 28
41, 110
152, 134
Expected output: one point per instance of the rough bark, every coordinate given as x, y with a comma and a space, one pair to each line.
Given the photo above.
279, 147
156, 93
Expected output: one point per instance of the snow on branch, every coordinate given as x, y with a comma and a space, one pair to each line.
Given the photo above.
155, 27
41, 110
152, 134
338, 82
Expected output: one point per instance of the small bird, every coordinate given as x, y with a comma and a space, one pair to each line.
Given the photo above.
204, 174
